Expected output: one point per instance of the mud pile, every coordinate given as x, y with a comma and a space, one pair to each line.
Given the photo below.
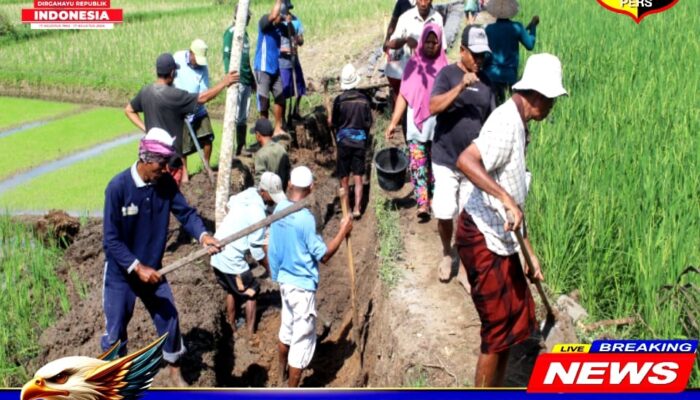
215, 357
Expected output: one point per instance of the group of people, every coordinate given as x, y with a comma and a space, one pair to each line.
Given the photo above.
466, 143
139, 200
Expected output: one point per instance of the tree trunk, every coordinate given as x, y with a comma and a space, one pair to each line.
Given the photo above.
223, 181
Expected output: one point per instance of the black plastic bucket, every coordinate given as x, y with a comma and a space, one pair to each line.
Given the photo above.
391, 164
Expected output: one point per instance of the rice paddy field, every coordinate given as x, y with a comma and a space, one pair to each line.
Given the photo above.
615, 202
614, 206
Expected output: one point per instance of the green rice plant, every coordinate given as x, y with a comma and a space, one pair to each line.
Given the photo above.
32, 295
388, 232
80, 187
614, 204
59, 138
19, 111
121, 60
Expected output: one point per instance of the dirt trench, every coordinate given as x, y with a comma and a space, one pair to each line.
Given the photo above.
215, 357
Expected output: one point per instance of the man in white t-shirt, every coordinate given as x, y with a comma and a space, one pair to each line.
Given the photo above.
404, 39
495, 163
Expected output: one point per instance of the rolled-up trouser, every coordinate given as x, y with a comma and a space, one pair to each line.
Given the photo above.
298, 326
244, 92
118, 300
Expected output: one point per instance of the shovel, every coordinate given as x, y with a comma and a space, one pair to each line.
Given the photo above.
210, 173
550, 320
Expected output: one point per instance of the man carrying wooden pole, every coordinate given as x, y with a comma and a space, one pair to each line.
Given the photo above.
223, 182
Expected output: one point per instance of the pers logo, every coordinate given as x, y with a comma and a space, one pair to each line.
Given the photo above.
619, 366
637, 9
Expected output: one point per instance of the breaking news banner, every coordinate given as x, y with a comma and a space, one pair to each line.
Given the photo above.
72, 14
615, 366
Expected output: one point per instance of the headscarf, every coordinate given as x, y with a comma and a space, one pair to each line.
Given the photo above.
156, 146
419, 76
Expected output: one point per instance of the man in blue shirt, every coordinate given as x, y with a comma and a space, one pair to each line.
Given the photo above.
138, 203
267, 54
193, 77
294, 253
230, 266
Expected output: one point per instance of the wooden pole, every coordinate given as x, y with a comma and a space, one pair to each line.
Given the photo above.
223, 180
351, 262
235, 236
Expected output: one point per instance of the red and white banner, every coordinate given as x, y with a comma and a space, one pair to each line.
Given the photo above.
72, 14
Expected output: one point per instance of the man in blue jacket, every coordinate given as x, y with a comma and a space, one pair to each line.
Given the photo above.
138, 203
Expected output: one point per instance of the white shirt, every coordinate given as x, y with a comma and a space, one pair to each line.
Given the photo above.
501, 143
413, 133
244, 209
410, 24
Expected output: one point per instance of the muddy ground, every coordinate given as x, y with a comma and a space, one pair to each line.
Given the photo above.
215, 356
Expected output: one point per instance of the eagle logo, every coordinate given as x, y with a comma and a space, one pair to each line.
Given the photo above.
103, 378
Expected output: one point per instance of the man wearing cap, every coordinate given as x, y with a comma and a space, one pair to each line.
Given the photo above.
404, 39
247, 84
351, 118
461, 100
294, 253
138, 203
193, 77
165, 106
267, 70
230, 266
271, 156
495, 163
290, 66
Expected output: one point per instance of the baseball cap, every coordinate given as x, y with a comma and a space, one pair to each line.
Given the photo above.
301, 177
199, 48
262, 126
165, 64
272, 183
542, 74
474, 38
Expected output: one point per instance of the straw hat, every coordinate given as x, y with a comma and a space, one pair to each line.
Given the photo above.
502, 8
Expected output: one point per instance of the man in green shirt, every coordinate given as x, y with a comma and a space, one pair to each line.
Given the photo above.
246, 84
272, 156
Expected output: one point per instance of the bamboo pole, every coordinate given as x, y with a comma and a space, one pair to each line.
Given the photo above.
223, 180
235, 236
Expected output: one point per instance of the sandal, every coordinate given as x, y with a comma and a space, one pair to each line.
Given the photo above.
356, 214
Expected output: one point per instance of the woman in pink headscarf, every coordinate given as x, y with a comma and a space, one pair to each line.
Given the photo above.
416, 85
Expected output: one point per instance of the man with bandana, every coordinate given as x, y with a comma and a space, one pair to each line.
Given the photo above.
138, 203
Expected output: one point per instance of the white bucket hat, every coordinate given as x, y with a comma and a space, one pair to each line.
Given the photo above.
502, 8
543, 75
349, 78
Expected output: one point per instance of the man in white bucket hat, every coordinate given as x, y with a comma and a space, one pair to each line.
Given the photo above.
351, 118
495, 164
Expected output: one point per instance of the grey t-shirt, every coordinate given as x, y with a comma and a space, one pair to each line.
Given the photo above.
165, 107
461, 122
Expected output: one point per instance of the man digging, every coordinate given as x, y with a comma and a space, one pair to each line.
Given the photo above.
294, 253
138, 203
230, 266
495, 163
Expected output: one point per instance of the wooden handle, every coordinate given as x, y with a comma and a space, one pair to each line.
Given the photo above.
351, 263
235, 236
528, 260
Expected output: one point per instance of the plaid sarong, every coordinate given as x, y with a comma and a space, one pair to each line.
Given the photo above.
500, 290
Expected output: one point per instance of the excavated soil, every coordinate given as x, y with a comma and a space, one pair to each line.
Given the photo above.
215, 357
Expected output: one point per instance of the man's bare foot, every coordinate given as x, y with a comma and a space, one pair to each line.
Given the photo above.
176, 377
462, 279
445, 269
